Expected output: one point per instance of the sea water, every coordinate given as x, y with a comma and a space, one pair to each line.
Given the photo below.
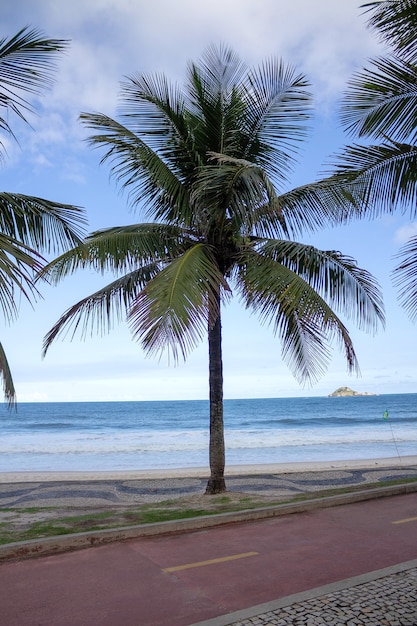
114, 436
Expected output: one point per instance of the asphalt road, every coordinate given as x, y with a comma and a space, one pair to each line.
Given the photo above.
182, 579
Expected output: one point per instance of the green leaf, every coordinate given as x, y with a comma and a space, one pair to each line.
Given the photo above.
119, 249
405, 277
207, 159
98, 311
26, 66
381, 101
18, 267
396, 22
348, 289
39, 223
172, 311
380, 178
302, 319
6, 376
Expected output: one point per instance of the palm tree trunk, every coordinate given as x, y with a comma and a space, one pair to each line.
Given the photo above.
216, 483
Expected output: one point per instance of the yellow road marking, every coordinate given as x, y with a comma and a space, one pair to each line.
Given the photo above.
233, 557
404, 521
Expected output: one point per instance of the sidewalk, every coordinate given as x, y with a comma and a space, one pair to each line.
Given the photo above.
88, 494
329, 565
29, 491
386, 597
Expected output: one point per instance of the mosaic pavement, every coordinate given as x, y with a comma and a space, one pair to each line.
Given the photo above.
136, 491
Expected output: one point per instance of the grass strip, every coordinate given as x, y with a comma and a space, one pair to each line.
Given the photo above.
152, 513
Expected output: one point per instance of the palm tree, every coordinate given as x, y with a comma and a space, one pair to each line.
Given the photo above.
380, 107
395, 22
204, 163
28, 225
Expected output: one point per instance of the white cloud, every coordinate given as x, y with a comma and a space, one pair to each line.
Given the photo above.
88, 77
42, 161
324, 39
403, 234
110, 39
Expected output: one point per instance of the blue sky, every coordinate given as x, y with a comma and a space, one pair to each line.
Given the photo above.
324, 39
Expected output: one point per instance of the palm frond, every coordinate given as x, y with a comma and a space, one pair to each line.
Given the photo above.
139, 243
396, 22
18, 266
303, 320
211, 85
98, 311
405, 277
26, 66
120, 249
155, 110
337, 278
380, 178
310, 207
152, 107
41, 224
236, 189
381, 101
6, 376
139, 169
278, 110
215, 102
306, 344
215, 77
172, 311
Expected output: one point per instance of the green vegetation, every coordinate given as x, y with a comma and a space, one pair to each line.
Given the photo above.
379, 109
145, 514
16, 530
208, 165
29, 225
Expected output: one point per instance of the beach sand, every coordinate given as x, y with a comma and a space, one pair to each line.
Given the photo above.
202, 472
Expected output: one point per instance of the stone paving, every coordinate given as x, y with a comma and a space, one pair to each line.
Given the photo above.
133, 491
391, 601
387, 601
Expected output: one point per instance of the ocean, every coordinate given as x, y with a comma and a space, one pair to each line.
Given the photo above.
116, 436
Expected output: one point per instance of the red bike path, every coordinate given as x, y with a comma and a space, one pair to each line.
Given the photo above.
182, 579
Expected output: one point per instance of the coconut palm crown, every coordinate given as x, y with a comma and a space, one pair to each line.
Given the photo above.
207, 165
380, 110
28, 225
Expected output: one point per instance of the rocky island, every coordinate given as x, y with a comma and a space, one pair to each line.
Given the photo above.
344, 392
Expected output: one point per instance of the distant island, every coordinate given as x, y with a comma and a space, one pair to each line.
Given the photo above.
344, 392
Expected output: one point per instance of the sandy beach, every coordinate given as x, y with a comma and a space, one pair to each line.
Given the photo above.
202, 472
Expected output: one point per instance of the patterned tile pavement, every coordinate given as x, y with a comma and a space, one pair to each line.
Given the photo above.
134, 491
384, 598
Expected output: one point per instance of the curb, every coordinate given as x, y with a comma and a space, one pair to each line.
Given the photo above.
78, 541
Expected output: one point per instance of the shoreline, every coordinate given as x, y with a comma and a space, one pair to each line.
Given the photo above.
204, 472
